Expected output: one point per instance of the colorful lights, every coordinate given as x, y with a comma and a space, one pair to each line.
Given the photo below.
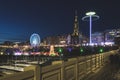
52, 54
90, 16
52, 50
35, 40
17, 53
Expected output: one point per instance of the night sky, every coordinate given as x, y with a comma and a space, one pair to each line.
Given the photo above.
20, 18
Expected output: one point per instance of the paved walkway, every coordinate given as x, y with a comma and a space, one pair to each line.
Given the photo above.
108, 72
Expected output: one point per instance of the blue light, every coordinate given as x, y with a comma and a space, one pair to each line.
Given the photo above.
69, 49
90, 29
35, 40
89, 18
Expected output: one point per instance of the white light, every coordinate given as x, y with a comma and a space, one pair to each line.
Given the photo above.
1, 53
25, 53
91, 44
17, 53
102, 43
90, 13
34, 41
109, 43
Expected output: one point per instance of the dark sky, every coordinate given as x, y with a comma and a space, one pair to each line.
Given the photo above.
20, 18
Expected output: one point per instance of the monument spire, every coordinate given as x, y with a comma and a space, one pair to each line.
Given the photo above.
76, 25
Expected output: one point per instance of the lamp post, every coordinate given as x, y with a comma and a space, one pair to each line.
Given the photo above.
89, 17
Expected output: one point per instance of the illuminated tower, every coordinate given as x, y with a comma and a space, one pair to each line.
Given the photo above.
76, 26
75, 35
89, 17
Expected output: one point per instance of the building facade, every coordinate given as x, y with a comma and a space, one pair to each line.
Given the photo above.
97, 38
108, 37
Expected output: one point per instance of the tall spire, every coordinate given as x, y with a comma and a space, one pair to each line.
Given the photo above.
76, 12
76, 17
76, 25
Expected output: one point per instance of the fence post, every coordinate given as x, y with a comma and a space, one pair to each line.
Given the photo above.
62, 71
36, 70
76, 69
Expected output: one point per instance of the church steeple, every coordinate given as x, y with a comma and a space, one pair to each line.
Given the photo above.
76, 25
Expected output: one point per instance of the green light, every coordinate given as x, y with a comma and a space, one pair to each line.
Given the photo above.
81, 50
100, 50
60, 50
52, 55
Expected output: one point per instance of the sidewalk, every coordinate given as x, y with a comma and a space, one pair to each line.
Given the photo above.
117, 75
107, 72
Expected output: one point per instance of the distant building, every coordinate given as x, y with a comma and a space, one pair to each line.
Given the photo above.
68, 41
55, 40
108, 37
117, 37
50, 40
97, 38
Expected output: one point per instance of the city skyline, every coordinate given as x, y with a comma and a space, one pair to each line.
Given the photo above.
20, 19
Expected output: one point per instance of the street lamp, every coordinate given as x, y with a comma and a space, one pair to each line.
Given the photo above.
88, 17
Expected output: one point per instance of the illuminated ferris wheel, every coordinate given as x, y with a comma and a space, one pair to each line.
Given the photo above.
34, 40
